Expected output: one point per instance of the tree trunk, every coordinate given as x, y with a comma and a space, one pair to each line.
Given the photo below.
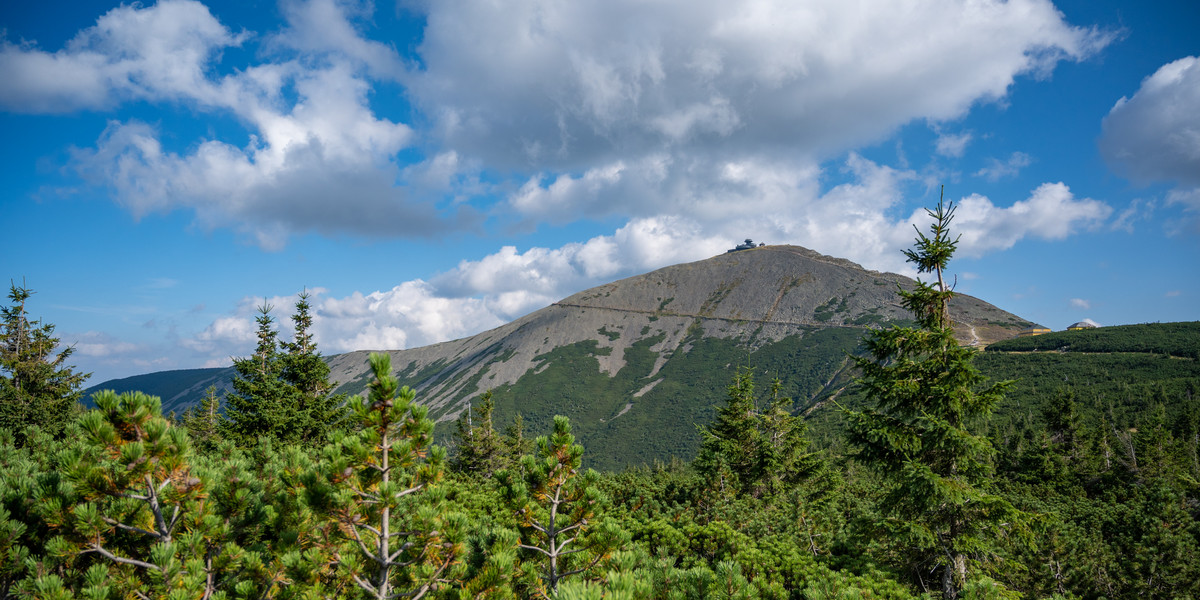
954, 576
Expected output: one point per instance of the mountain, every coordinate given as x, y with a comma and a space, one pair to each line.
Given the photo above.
637, 363
178, 389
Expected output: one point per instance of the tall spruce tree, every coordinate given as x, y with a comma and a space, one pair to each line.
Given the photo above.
283, 390
728, 455
258, 404
927, 395
308, 375
37, 386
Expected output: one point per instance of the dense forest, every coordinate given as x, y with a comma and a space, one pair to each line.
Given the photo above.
1027, 471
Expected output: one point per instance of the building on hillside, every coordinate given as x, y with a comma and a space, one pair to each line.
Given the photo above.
1032, 331
746, 246
1080, 326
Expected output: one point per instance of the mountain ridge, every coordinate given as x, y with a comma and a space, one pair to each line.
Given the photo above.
655, 350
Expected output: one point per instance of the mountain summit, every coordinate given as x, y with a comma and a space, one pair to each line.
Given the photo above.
653, 353
638, 363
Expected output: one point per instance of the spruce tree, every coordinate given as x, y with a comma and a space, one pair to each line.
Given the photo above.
927, 395
753, 450
203, 422
283, 390
37, 386
307, 374
480, 449
515, 444
729, 453
259, 401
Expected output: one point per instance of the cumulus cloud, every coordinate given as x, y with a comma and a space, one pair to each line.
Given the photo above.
316, 157
1051, 212
329, 28
162, 52
546, 83
694, 107
1155, 135
96, 344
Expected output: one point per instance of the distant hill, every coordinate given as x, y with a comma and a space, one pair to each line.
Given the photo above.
638, 363
1174, 339
1116, 372
178, 389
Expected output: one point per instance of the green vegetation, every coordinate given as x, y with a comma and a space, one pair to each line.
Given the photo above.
661, 422
826, 311
1081, 484
1172, 339
282, 392
925, 393
754, 446
37, 386
127, 507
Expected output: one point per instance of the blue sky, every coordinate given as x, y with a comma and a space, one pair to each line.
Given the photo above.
430, 169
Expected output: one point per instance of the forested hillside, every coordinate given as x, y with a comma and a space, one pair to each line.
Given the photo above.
921, 469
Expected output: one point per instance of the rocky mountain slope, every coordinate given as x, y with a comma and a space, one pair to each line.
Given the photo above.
637, 363
622, 359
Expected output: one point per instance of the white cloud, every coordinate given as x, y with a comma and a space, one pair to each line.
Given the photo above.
157, 53
998, 169
325, 27
1189, 199
99, 345
548, 84
1052, 212
317, 158
230, 335
720, 112
1137, 210
1080, 303
1155, 135
953, 145
407, 316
